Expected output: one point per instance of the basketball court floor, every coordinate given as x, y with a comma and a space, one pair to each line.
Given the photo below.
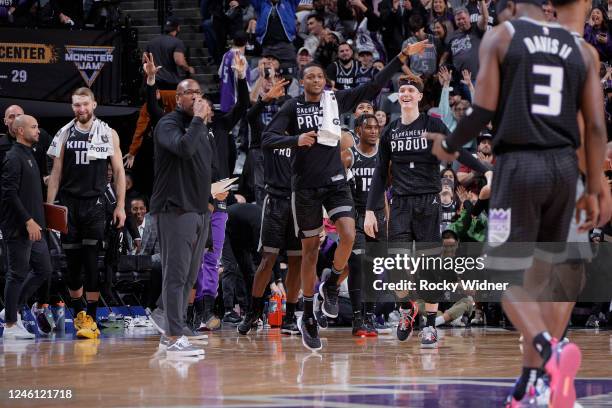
473, 367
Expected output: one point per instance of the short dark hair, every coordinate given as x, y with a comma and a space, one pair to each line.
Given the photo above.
139, 198
364, 101
310, 65
363, 118
415, 22
317, 17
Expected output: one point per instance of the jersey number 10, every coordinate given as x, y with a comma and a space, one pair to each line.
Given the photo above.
552, 91
81, 157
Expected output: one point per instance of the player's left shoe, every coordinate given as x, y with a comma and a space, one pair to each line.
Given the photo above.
562, 367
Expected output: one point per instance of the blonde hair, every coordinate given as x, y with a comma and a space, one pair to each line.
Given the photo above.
84, 91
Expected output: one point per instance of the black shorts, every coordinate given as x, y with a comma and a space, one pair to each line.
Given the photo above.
308, 207
415, 218
277, 228
86, 221
533, 198
361, 237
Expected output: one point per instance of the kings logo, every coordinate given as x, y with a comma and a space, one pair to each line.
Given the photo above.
89, 60
500, 220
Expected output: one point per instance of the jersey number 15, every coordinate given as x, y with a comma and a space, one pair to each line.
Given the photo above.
552, 91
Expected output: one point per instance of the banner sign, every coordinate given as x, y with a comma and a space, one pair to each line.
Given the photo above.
49, 64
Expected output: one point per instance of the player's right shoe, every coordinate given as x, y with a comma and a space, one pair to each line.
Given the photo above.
310, 333
249, 322
429, 338
562, 367
359, 327
406, 322
88, 329
329, 293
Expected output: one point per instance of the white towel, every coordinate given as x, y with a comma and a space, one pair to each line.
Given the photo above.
100, 140
329, 128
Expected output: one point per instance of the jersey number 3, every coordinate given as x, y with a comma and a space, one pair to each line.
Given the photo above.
552, 91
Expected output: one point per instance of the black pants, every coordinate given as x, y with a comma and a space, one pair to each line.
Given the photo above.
21, 282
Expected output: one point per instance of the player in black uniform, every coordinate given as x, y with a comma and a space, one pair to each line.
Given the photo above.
363, 158
547, 76
318, 179
277, 231
80, 151
415, 207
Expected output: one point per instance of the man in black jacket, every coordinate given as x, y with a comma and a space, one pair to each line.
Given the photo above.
183, 156
22, 221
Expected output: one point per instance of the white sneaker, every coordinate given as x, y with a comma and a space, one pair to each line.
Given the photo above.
19, 321
458, 322
182, 348
16, 333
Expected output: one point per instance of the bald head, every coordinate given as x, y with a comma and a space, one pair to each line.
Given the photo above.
9, 116
187, 92
25, 129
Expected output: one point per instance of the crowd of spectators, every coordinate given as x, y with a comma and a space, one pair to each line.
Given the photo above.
59, 13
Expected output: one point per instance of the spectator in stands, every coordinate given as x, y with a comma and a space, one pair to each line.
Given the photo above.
69, 12
451, 114
18, 12
227, 73
138, 210
330, 19
276, 27
440, 13
169, 53
549, 11
381, 116
469, 178
464, 42
316, 32
366, 71
253, 48
440, 31
343, 72
596, 33
327, 52
395, 27
423, 65
226, 19
482, 13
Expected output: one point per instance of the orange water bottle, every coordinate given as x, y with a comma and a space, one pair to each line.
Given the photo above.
275, 311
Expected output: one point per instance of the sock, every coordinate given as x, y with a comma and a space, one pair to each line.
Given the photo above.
431, 319
564, 335
440, 320
308, 303
77, 305
406, 305
257, 303
541, 342
92, 308
527, 378
368, 307
332, 279
290, 309
190, 311
198, 306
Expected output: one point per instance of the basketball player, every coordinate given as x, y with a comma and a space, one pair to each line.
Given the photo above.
80, 151
277, 230
534, 186
415, 208
318, 179
362, 162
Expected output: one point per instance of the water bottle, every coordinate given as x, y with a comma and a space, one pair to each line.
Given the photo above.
59, 314
284, 307
272, 305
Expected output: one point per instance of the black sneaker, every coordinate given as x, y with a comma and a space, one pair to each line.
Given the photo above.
359, 328
310, 333
370, 325
321, 318
407, 317
231, 317
289, 325
249, 321
329, 306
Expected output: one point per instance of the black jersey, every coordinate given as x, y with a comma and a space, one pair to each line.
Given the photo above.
365, 75
362, 168
415, 170
542, 77
344, 78
80, 176
277, 170
318, 165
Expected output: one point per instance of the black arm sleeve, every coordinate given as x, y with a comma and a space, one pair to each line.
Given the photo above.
232, 117
348, 99
274, 135
473, 163
379, 179
469, 127
155, 112
254, 112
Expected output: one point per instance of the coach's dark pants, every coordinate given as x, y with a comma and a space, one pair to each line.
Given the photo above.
21, 282
182, 238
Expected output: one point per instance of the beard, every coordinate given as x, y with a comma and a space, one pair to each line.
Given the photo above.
84, 118
345, 61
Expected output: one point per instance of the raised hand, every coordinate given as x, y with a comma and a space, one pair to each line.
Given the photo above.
240, 65
148, 65
277, 90
416, 48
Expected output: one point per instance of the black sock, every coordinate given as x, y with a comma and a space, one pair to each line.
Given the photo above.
332, 279
564, 335
542, 344
92, 308
528, 377
198, 306
369, 307
257, 303
290, 309
308, 303
77, 305
406, 305
190, 308
431, 319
